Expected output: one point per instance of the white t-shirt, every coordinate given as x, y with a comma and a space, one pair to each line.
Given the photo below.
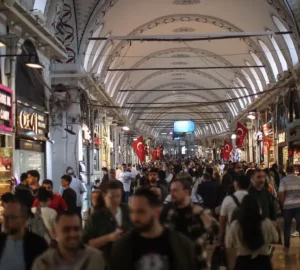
169, 178
48, 216
125, 178
118, 217
229, 205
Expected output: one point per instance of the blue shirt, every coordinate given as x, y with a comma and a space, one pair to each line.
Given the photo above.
12, 257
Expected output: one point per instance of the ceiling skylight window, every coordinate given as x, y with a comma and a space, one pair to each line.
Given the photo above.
270, 58
249, 81
259, 63
256, 77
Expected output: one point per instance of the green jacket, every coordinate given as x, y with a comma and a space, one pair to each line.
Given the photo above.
101, 223
265, 201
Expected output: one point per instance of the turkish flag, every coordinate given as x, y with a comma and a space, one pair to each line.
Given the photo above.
227, 150
241, 132
139, 148
267, 143
222, 152
154, 154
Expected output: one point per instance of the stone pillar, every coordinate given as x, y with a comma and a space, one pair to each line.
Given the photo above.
250, 141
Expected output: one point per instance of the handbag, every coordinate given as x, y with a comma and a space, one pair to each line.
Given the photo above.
219, 259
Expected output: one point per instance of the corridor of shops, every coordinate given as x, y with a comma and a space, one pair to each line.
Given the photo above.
150, 135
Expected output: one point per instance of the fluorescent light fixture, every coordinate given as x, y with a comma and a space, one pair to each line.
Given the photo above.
135, 139
251, 115
2, 44
164, 133
33, 62
125, 128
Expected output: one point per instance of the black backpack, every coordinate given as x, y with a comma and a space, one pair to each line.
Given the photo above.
236, 211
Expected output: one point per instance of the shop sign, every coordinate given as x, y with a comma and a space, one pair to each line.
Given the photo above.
282, 137
6, 123
32, 123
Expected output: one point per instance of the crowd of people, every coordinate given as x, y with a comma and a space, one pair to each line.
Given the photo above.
159, 215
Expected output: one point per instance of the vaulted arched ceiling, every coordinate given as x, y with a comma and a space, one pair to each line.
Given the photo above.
105, 18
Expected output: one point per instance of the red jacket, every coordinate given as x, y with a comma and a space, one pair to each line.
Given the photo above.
57, 203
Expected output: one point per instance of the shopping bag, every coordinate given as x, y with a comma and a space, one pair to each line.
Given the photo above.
219, 259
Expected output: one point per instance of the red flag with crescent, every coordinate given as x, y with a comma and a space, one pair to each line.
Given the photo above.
139, 148
267, 143
227, 150
154, 154
241, 132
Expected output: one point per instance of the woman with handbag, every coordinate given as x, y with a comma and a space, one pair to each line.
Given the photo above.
252, 235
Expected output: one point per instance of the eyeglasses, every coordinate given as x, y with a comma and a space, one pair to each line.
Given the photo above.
71, 228
10, 217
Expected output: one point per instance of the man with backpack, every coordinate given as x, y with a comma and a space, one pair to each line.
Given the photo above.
231, 204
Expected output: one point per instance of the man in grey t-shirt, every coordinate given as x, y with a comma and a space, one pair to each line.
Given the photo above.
289, 196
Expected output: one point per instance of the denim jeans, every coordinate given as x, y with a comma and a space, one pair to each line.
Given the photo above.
127, 194
288, 215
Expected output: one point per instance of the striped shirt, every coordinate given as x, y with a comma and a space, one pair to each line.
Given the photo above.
290, 186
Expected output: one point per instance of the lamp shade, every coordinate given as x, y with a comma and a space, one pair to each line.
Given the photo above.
33, 62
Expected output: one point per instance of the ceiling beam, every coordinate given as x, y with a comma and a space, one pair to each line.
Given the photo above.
185, 68
192, 37
182, 90
172, 120
176, 112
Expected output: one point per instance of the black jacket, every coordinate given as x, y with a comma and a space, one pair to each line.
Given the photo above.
182, 248
34, 246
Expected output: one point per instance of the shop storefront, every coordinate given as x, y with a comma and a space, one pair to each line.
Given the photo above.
6, 139
283, 155
31, 136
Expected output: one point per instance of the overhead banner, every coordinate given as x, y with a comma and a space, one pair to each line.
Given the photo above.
139, 148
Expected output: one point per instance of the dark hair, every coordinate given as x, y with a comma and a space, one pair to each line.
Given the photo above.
243, 182
290, 169
67, 177
147, 193
7, 197
129, 165
185, 180
48, 182
114, 184
207, 176
104, 169
250, 220
44, 195
112, 171
162, 175
210, 170
25, 211
191, 172
34, 173
257, 170
23, 177
66, 214
153, 170
25, 198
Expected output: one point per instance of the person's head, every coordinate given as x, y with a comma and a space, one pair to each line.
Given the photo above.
104, 170
66, 180
24, 179
68, 231
25, 198
210, 170
258, 179
112, 194
15, 216
124, 167
48, 184
242, 182
250, 220
145, 209
112, 174
6, 198
206, 177
153, 176
44, 196
275, 166
70, 171
161, 175
251, 165
95, 196
129, 166
290, 169
33, 177
181, 188
157, 191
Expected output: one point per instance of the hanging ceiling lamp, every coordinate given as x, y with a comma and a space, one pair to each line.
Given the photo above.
251, 115
34, 62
